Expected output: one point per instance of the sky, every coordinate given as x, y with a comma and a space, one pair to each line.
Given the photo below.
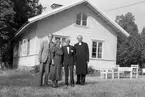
137, 10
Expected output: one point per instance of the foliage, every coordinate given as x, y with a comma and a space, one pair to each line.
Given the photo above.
13, 14
142, 39
6, 19
26, 9
36, 69
129, 50
91, 70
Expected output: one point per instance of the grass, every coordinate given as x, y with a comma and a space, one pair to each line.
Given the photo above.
20, 84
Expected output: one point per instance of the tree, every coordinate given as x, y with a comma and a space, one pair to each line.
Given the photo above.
128, 51
13, 14
7, 25
142, 39
6, 19
26, 9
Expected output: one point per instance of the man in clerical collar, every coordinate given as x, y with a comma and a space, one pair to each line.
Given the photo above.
81, 59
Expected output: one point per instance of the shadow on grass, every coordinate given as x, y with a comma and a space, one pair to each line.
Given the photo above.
20, 80
62, 84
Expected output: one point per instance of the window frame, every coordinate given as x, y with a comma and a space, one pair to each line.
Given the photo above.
81, 19
24, 47
97, 49
61, 38
20, 48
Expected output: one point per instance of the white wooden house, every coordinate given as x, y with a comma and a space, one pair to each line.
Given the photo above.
79, 18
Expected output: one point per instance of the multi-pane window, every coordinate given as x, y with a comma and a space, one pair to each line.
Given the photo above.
20, 48
16, 50
81, 19
25, 47
28, 50
97, 49
62, 39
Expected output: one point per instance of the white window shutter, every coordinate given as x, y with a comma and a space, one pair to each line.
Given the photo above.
20, 49
24, 47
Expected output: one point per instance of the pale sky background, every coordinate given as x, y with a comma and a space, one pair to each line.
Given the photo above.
137, 10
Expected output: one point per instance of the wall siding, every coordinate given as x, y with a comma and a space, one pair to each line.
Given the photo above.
64, 24
29, 59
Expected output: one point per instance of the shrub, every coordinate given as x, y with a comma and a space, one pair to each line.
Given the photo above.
91, 70
36, 68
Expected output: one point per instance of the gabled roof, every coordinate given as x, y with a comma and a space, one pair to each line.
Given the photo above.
62, 8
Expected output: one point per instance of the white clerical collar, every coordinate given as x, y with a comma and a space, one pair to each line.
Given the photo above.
80, 43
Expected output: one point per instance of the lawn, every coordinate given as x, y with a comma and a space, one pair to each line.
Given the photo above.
20, 84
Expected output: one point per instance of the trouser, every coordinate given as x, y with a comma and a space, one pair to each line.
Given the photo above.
81, 78
44, 69
69, 69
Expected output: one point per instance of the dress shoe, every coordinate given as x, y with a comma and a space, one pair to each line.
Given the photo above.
82, 83
54, 84
72, 85
66, 84
78, 83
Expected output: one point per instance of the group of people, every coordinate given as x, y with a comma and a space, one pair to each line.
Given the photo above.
53, 57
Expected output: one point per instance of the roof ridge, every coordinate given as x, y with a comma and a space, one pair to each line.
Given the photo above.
54, 11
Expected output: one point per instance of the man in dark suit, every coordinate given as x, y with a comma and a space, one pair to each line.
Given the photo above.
68, 62
45, 59
81, 59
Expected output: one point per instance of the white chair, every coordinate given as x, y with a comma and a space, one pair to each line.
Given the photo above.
116, 72
117, 66
105, 72
143, 71
134, 71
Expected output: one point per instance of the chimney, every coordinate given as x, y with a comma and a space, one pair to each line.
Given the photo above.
54, 6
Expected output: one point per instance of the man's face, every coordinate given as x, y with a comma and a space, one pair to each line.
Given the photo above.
50, 36
80, 38
67, 42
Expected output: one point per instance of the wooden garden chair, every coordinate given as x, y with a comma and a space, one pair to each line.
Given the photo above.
106, 72
134, 71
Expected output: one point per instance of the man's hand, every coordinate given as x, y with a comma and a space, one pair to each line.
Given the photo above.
87, 62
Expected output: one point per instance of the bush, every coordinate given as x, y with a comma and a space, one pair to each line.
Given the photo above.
36, 68
91, 70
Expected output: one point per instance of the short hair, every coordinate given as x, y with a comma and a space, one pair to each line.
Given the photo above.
67, 39
80, 36
57, 41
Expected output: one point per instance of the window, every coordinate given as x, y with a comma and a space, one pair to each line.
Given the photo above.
25, 47
62, 39
97, 49
81, 19
16, 50
28, 50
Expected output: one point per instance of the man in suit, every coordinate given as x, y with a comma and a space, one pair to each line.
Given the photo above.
68, 62
81, 59
45, 59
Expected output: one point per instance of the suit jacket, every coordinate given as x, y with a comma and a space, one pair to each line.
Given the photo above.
68, 59
45, 53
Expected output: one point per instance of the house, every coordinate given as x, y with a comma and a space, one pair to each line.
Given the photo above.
79, 18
